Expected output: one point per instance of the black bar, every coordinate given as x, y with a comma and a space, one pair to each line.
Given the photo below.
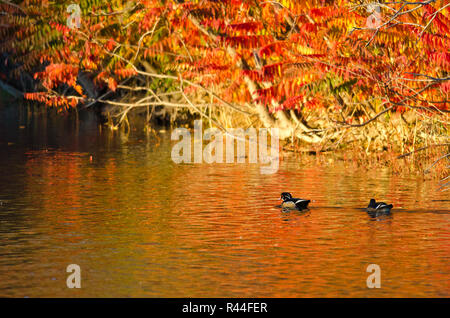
223, 306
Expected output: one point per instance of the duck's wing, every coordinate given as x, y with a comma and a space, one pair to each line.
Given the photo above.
301, 203
382, 205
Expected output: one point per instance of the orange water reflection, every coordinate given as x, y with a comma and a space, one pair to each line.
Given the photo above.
140, 225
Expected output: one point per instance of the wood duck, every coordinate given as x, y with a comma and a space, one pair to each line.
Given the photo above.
378, 206
292, 203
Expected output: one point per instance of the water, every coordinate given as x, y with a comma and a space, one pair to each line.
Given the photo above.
140, 225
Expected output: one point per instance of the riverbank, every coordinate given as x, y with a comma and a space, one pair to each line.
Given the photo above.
417, 159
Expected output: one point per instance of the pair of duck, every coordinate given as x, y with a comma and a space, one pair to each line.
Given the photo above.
301, 204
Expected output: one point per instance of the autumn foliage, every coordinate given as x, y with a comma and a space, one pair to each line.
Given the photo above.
286, 55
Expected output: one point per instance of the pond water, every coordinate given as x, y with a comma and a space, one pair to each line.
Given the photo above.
139, 225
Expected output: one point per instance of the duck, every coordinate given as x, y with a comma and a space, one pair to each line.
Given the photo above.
291, 203
375, 206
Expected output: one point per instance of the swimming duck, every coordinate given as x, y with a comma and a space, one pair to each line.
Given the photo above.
292, 203
378, 206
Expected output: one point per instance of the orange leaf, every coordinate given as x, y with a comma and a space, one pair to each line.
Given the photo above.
112, 84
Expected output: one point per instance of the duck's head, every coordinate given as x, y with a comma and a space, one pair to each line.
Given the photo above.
285, 196
372, 203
